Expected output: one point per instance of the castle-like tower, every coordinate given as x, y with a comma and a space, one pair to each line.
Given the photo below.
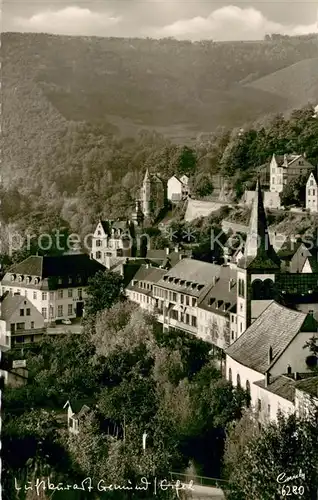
257, 269
153, 195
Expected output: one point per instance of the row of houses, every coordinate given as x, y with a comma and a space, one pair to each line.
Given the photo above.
259, 311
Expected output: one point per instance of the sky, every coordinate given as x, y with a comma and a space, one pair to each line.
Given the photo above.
181, 19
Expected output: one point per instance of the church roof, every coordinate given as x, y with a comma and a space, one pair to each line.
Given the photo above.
258, 252
276, 327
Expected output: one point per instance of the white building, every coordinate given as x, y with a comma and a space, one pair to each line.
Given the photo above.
312, 193
76, 411
56, 286
112, 239
178, 188
284, 168
270, 347
20, 321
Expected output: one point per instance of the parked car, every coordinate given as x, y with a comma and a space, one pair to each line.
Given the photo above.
66, 321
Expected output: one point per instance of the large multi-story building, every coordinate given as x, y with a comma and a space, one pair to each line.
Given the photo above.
56, 286
284, 168
111, 240
260, 312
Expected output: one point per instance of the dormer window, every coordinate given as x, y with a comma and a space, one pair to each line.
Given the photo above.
13, 277
70, 281
165, 278
182, 282
193, 286
28, 279
170, 280
211, 301
188, 283
60, 281
20, 278
36, 280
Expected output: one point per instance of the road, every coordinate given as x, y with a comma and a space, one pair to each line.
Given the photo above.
203, 492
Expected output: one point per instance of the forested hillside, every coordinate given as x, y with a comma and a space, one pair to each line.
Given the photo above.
62, 155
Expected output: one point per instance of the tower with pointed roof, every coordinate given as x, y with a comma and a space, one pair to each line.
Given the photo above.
153, 195
257, 269
146, 195
137, 215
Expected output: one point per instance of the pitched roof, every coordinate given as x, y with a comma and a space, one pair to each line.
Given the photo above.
78, 404
10, 304
309, 385
281, 386
258, 251
220, 298
276, 327
62, 265
190, 276
149, 274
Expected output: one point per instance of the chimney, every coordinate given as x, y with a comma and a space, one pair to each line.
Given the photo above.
289, 370
167, 250
296, 376
267, 379
213, 280
270, 354
176, 248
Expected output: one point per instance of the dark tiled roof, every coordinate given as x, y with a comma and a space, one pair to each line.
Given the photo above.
258, 252
10, 304
78, 404
276, 327
150, 275
188, 272
309, 385
221, 292
57, 266
281, 386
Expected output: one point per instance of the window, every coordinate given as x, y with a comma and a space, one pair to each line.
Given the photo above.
60, 311
25, 293
314, 192
60, 281
230, 375
174, 314
187, 319
182, 299
70, 281
259, 405
193, 321
70, 309
311, 183
269, 410
20, 326
187, 300
98, 255
174, 297
28, 312
51, 295
238, 380
32, 325
34, 295
232, 334
70, 292
44, 312
21, 312
99, 233
98, 243
60, 294
194, 302
248, 387
80, 291
44, 295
